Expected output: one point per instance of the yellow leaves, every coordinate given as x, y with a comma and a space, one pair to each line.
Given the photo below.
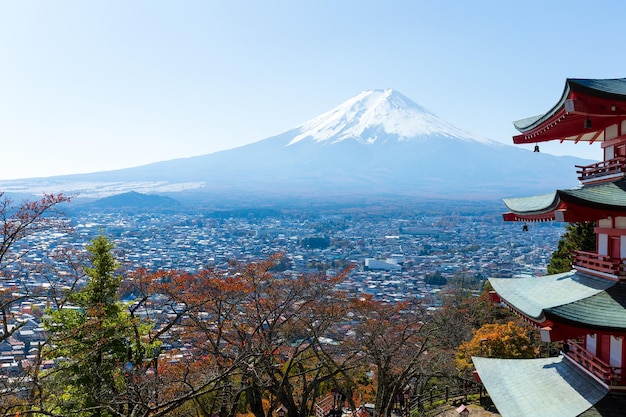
506, 341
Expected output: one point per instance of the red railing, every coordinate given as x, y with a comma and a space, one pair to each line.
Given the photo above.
323, 406
610, 375
602, 264
601, 169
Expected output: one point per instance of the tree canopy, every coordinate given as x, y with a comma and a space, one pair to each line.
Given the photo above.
97, 340
577, 236
505, 341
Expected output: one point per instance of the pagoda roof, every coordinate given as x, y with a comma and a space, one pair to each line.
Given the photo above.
546, 387
535, 206
605, 195
577, 204
605, 310
600, 101
534, 296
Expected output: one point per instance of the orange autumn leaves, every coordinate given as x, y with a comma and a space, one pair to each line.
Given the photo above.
505, 341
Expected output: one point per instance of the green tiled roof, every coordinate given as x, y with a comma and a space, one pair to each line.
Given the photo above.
546, 387
611, 88
535, 204
533, 295
608, 88
608, 194
606, 309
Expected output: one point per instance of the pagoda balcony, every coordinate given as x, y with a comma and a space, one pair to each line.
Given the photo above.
602, 171
610, 375
600, 265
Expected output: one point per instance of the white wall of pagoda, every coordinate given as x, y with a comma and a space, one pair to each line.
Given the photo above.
603, 238
590, 344
611, 132
603, 244
616, 352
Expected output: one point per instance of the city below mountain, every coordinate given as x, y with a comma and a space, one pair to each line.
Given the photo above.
378, 144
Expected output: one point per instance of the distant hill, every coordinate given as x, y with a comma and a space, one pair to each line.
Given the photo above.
135, 200
378, 144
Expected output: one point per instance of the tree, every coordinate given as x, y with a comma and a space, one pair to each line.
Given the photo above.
17, 223
462, 313
242, 337
577, 236
92, 340
505, 341
395, 340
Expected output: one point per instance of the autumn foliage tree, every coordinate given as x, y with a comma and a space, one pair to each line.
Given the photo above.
18, 222
505, 341
244, 336
395, 339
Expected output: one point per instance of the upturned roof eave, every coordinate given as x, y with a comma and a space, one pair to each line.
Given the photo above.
604, 311
533, 296
585, 203
601, 99
608, 89
530, 123
534, 205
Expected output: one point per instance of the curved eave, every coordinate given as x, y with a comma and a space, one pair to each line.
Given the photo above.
533, 296
603, 102
535, 208
604, 196
605, 310
586, 203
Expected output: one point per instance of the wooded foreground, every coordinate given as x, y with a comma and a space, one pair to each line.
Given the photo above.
247, 340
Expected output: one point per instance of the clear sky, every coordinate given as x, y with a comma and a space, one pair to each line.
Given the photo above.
89, 86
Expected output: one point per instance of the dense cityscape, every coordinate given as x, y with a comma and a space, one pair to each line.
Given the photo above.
392, 251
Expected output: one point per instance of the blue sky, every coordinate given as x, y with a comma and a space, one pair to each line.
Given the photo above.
89, 86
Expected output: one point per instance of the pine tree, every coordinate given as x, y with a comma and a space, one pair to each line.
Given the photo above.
91, 340
577, 236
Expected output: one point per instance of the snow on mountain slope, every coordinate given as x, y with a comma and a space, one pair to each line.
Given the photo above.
375, 115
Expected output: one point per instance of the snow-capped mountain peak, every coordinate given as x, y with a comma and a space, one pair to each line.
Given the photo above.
373, 114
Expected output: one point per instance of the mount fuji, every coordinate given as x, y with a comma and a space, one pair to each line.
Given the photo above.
378, 143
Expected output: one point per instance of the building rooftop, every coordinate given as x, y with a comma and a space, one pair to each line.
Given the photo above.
533, 295
547, 387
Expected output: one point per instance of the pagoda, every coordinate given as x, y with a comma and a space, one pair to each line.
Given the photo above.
583, 309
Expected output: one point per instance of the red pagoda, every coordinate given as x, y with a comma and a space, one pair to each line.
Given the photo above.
584, 309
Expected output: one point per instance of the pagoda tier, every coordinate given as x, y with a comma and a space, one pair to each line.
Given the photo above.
586, 313
588, 203
603, 203
588, 110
